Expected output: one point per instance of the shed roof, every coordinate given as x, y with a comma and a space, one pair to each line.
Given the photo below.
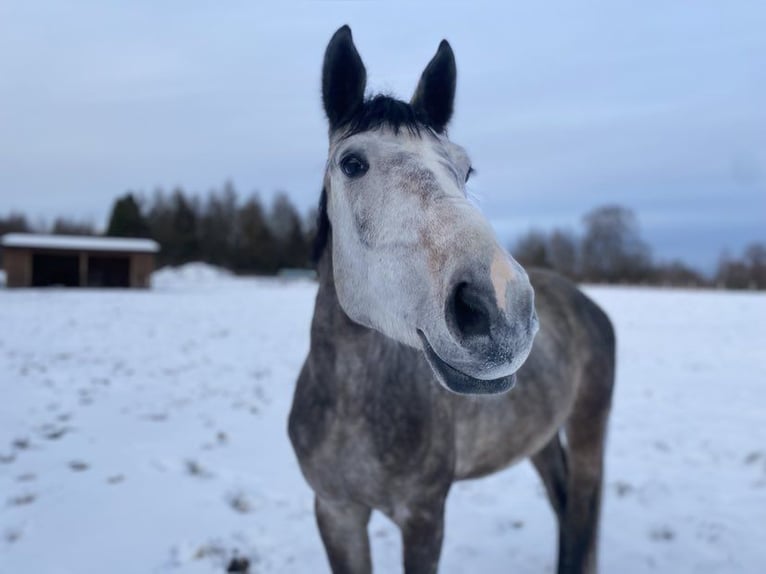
79, 243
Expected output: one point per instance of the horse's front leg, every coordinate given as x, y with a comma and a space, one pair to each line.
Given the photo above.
422, 529
343, 527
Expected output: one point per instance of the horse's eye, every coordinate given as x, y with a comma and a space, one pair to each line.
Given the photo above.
353, 166
469, 173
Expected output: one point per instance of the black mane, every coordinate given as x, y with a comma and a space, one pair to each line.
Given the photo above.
381, 110
375, 113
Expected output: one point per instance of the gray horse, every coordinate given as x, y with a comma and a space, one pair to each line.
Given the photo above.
421, 321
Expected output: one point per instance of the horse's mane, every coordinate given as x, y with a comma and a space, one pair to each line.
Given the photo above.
385, 111
375, 113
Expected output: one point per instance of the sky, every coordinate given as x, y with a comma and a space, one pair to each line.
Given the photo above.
658, 106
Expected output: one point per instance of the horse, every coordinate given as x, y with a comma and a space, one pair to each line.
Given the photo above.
421, 369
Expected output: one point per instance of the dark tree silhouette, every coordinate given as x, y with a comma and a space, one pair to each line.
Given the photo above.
255, 247
564, 253
66, 226
755, 259
14, 223
612, 248
749, 272
532, 249
218, 227
287, 230
185, 245
126, 219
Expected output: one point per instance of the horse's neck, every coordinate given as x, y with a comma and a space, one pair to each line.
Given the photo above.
331, 325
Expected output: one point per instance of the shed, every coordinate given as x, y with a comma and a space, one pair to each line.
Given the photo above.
34, 260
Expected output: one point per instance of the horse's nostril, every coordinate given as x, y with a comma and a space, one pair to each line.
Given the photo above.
468, 312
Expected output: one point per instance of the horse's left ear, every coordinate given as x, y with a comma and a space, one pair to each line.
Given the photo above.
343, 78
435, 94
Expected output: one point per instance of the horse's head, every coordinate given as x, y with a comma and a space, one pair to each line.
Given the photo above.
412, 257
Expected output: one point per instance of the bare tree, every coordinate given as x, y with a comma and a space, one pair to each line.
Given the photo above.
732, 273
677, 274
755, 259
612, 248
564, 253
65, 226
531, 249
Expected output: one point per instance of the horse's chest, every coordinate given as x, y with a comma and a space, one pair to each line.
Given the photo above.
372, 439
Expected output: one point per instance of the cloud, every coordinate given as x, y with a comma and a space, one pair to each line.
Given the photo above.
562, 106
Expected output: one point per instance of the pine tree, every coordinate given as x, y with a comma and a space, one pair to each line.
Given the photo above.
255, 245
285, 224
126, 219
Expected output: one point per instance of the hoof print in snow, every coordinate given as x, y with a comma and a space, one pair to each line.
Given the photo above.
239, 565
710, 532
116, 479
196, 469
661, 446
753, 457
12, 535
623, 488
22, 499
26, 477
7, 458
239, 502
55, 433
662, 534
156, 417
78, 466
21, 444
507, 525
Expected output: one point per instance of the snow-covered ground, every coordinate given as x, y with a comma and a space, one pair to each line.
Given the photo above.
145, 431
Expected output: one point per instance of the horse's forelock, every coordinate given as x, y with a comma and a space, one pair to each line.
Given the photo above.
385, 111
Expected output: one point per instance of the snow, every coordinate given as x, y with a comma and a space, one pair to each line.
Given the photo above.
79, 242
183, 276
145, 431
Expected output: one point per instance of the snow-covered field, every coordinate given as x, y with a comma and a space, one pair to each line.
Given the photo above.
145, 432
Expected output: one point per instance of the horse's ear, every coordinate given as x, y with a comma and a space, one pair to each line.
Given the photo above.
343, 78
435, 95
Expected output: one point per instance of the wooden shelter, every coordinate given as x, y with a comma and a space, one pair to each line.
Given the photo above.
32, 260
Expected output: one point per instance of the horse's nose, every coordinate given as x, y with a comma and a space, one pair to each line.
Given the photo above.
469, 312
494, 324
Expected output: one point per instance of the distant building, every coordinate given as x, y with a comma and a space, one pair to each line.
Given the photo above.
32, 260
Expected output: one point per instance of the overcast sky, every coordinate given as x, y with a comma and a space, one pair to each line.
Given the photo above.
659, 106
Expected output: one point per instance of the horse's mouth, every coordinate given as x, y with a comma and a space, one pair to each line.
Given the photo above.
459, 382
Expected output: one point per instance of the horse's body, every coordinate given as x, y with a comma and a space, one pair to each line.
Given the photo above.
373, 428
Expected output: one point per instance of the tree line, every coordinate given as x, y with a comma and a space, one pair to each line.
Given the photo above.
248, 236
244, 235
611, 250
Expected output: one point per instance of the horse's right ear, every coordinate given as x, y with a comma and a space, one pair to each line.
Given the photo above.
343, 78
